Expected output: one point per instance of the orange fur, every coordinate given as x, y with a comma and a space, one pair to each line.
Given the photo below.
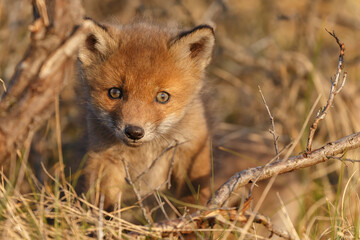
142, 60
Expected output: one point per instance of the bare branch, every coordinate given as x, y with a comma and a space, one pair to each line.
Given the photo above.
168, 180
272, 160
333, 91
273, 132
304, 160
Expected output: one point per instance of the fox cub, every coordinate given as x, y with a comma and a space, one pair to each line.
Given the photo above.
145, 118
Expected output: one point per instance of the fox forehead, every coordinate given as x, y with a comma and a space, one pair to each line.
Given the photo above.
143, 58
141, 61
139, 74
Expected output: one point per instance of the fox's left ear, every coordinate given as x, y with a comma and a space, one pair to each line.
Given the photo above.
196, 44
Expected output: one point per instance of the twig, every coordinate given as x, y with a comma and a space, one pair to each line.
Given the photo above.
156, 159
272, 160
272, 131
290, 225
273, 177
343, 159
161, 204
275, 138
138, 196
119, 215
168, 180
290, 148
154, 191
333, 91
58, 140
101, 218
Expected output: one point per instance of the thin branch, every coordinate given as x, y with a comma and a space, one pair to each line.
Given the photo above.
101, 218
272, 131
272, 160
160, 205
138, 196
342, 159
290, 148
290, 225
333, 91
168, 180
156, 159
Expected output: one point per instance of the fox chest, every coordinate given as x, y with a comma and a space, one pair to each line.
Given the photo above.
140, 170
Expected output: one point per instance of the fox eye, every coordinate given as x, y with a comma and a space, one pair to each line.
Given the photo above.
115, 93
162, 97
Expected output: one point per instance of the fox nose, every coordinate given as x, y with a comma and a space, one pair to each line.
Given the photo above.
134, 132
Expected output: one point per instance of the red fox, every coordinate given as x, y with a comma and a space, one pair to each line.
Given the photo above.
145, 116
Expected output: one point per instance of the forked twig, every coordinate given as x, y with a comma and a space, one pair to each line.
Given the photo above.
275, 139
333, 91
272, 131
138, 196
168, 148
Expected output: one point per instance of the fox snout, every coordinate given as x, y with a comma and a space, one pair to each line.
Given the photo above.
134, 132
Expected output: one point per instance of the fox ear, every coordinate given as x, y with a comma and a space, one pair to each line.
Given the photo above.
98, 43
196, 44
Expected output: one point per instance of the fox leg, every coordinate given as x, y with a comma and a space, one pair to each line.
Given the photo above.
200, 173
195, 186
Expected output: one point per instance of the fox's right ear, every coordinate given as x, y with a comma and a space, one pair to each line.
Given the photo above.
98, 43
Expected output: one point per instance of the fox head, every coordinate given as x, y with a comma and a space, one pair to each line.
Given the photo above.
141, 79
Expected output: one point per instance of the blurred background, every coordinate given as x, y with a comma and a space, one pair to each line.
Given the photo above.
281, 47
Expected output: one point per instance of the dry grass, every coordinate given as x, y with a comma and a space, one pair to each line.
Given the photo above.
280, 46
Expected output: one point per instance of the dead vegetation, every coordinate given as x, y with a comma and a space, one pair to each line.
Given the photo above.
283, 48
